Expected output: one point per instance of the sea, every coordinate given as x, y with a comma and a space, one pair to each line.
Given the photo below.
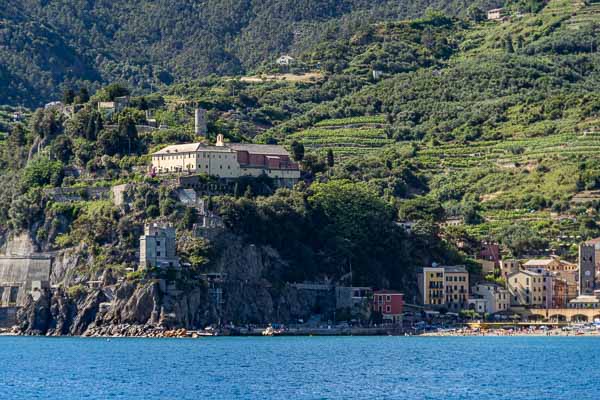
301, 368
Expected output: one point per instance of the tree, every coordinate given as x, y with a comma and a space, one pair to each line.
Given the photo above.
330, 158
91, 129
128, 133
62, 149
113, 91
297, 151
521, 239
190, 216
68, 96
508, 44
46, 123
475, 14
83, 96
421, 208
41, 172
109, 142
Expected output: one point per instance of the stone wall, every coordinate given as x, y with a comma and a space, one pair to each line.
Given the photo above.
65, 195
19, 275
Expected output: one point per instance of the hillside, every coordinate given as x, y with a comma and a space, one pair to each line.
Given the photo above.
492, 124
47, 46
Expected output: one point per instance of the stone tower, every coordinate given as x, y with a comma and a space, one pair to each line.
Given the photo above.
200, 128
587, 269
158, 247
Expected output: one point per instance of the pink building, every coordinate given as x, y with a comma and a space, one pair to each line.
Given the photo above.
263, 156
490, 252
390, 304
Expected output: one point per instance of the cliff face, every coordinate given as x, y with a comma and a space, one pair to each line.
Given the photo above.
245, 295
134, 309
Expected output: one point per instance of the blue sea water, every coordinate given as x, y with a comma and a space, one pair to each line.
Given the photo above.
301, 368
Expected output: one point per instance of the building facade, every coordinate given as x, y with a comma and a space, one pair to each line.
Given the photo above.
490, 252
457, 287
431, 285
228, 161
497, 14
527, 289
560, 295
477, 304
496, 297
587, 269
158, 247
390, 304
445, 286
508, 267
548, 280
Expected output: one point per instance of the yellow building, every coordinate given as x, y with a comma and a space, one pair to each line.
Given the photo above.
445, 286
456, 287
508, 267
431, 284
527, 288
227, 160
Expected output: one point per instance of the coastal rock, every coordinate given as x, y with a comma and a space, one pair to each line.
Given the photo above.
244, 295
134, 304
86, 312
35, 317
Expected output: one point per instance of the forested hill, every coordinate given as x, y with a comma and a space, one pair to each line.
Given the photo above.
467, 130
46, 46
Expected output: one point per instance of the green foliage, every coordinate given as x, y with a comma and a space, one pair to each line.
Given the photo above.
76, 291
41, 172
196, 251
54, 39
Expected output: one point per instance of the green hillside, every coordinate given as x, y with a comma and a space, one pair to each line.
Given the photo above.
426, 119
47, 46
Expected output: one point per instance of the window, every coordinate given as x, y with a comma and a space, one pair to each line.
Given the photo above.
388, 298
158, 242
14, 294
388, 309
158, 254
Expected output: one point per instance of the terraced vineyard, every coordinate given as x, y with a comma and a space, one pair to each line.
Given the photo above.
360, 139
590, 13
340, 122
510, 152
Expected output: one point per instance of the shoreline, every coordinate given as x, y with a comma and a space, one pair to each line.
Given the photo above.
193, 335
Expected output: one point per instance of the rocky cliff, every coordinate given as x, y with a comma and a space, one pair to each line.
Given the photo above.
246, 295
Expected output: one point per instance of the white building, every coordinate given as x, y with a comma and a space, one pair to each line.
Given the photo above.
285, 60
497, 14
478, 304
158, 247
497, 298
227, 160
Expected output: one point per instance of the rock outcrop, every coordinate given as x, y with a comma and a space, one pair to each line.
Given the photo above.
245, 295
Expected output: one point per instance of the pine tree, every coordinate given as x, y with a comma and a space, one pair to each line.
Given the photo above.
91, 129
330, 158
83, 96
297, 151
509, 45
69, 96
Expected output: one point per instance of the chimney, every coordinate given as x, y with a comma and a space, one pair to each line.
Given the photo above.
200, 122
